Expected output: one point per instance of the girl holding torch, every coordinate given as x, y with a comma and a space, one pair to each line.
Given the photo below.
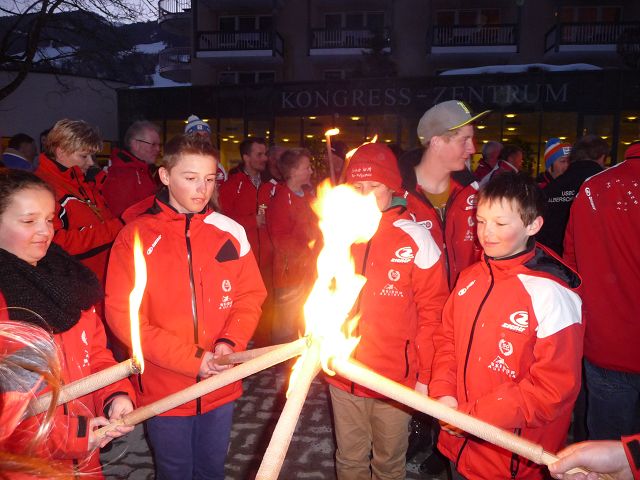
41, 284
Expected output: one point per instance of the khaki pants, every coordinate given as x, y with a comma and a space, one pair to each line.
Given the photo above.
372, 437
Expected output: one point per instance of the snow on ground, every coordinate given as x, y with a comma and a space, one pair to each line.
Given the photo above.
151, 48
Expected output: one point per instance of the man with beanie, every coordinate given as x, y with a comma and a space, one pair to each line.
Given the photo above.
399, 308
601, 244
131, 176
585, 160
556, 161
445, 206
199, 128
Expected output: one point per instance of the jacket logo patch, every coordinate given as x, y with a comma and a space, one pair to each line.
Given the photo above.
428, 224
500, 366
394, 275
153, 245
471, 202
390, 290
226, 286
468, 237
518, 321
470, 221
462, 291
403, 255
505, 347
225, 303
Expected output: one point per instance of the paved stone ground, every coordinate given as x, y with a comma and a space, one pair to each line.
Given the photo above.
310, 455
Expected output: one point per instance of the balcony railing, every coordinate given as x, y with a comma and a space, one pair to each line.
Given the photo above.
353, 38
233, 41
175, 57
474, 35
586, 36
173, 7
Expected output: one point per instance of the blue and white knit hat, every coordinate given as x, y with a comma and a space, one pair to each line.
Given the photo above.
555, 150
194, 124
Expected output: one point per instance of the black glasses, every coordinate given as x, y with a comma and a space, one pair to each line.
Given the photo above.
149, 143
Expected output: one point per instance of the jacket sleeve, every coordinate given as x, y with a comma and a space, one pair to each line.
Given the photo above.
247, 305
631, 446
101, 358
159, 346
430, 291
86, 238
116, 190
234, 205
444, 371
568, 253
550, 384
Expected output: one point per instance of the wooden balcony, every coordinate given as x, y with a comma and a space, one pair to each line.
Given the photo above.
502, 38
265, 45
175, 64
174, 16
587, 37
348, 41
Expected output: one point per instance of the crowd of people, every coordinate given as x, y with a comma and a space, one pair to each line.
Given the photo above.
502, 296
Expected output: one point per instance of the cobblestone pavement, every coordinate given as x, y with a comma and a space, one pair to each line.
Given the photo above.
310, 455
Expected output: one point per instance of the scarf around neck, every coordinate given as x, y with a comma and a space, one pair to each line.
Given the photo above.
58, 289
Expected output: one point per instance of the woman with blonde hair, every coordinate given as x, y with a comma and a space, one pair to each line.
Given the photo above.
84, 225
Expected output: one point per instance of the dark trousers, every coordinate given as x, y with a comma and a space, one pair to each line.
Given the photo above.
613, 402
192, 447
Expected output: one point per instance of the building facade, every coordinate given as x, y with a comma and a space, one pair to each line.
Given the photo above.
290, 69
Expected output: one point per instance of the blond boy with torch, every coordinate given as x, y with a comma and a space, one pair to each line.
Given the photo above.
398, 310
202, 301
510, 345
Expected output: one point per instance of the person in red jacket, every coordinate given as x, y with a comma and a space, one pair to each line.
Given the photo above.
399, 308
619, 460
130, 177
436, 200
41, 284
84, 226
293, 228
490, 152
239, 194
601, 243
510, 345
202, 301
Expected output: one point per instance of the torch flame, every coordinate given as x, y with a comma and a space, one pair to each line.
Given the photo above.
345, 217
332, 132
353, 150
135, 299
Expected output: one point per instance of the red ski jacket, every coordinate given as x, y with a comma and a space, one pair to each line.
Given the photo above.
82, 351
83, 224
400, 306
293, 228
510, 350
456, 233
601, 243
128, 181
203, 288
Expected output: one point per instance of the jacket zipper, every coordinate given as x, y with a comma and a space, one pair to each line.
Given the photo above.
194, 304
515, 458
364, 270
406, 359
473, 329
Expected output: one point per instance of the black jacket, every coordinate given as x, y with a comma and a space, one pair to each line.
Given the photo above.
559, 196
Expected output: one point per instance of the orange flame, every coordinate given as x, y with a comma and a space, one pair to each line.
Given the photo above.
353, 150
135, 299
332, 132
345, 217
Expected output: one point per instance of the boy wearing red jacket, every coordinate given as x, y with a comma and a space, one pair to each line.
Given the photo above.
510, 345
399, 308
202, 301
